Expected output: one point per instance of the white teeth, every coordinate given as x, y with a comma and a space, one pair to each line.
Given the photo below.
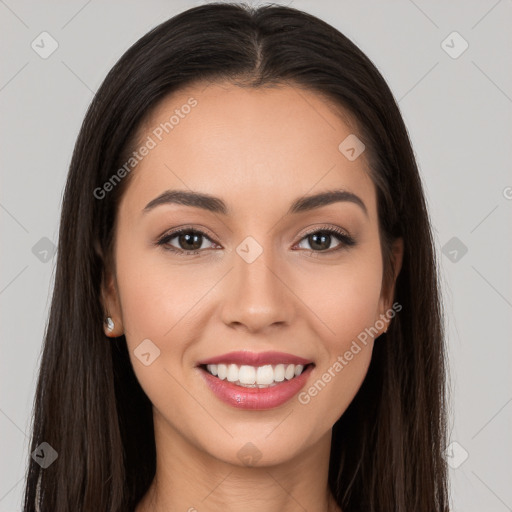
255, 376
289, 373
222, 370
279, 373
247, 375
264, 375
232, 373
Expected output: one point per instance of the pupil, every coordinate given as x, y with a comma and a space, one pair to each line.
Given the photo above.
318, 245
190, 239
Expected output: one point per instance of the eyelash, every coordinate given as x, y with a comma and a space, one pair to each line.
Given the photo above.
345, 239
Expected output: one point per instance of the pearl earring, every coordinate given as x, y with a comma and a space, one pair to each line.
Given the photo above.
110, 324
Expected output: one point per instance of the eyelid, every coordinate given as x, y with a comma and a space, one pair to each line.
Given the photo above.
197, 228
344, 237
325, 227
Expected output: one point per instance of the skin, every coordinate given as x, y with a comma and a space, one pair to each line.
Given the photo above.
258, 150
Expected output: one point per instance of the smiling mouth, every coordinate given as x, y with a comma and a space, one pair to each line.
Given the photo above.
247, 376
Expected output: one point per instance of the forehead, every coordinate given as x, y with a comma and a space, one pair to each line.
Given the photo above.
252, 147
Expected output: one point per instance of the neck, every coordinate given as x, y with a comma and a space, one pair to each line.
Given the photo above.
189, 479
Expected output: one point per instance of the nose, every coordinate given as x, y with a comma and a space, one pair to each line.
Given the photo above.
257, 297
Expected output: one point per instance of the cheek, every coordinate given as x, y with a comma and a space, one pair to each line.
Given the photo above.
345, 297
346, 300
157, 301
157, 297
334, 386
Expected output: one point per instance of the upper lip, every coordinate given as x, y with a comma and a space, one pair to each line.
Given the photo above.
255, 359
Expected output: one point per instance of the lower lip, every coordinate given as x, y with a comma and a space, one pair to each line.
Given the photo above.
256, 398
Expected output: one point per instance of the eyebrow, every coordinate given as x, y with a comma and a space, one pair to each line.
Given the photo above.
217, 205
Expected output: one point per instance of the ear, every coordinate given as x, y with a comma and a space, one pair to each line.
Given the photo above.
111, 305
388, 289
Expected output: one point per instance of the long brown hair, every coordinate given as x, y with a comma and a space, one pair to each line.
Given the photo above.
387, 448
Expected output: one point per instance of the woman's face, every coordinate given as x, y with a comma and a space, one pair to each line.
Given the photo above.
257, 271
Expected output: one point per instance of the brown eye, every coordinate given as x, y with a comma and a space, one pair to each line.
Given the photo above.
321, 240
187, 241
190, 241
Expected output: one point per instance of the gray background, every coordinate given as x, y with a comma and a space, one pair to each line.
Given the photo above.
458, 112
